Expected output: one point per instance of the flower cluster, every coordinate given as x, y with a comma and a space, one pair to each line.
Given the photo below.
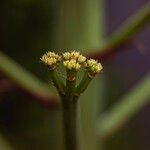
72, 61
93, 67
51, 59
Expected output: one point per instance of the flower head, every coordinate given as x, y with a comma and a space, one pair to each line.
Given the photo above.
73, 60
51, 59
66, 56
93, 67
71, 65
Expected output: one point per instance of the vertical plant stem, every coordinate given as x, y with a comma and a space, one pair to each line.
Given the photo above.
69, 116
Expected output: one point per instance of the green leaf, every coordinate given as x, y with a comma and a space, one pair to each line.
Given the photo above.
4, 145
24, 79
125, 109
128, 29
130, 26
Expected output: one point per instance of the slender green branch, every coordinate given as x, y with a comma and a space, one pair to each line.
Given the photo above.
83, 84
130, 27
26, 80
57, 82
124, 109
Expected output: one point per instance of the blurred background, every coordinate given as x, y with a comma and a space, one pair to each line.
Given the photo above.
28, 28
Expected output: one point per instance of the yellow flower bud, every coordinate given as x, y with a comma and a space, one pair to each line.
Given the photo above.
72, 64
74, 54
50, 59
81, 59
66, 55
93, 66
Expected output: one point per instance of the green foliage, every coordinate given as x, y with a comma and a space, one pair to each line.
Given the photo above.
23, 78
127, 107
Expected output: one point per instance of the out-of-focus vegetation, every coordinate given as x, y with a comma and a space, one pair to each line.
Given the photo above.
29, 108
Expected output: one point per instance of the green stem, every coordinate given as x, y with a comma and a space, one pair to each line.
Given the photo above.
69, 112
126, 108
70, 84
83, 84
26, 80
130, 27
57, 82
69, 116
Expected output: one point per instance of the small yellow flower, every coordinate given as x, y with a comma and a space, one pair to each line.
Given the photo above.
50, 59
74, 55
71, 55
66, 56
72, 65
93, 66
73, 60
81, 59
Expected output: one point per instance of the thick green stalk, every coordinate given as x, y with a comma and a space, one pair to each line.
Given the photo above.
69, 116
69, 112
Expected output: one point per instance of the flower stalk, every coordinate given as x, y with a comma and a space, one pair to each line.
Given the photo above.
69, 118
70, 84
83, 84
69, 91
57, 82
